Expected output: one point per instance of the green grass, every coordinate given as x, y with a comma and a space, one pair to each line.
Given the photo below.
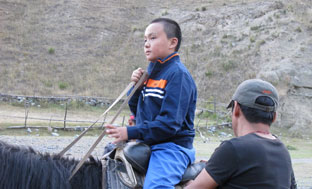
299, 148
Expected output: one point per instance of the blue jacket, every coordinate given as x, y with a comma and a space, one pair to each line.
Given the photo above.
165, 106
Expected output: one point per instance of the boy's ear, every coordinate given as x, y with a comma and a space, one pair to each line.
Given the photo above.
274, 117
173, 42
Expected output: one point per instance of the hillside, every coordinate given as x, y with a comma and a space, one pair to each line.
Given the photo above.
79, 47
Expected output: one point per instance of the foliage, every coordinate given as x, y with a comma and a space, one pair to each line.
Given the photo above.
289, 147
252, 39
63, 85
209, 73
230, 64
51, 50
298, 29
255, 27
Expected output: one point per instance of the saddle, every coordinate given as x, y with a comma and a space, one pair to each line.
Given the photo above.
131, 160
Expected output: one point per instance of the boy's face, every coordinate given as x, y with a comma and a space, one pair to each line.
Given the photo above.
156, 43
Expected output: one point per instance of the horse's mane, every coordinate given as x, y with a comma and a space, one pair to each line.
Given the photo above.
23, 167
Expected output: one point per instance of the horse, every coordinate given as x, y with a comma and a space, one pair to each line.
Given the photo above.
24, 168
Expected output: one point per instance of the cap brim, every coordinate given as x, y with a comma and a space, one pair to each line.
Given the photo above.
230, 105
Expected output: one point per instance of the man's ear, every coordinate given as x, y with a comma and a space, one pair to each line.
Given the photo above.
274, 117
236, 109
173, 42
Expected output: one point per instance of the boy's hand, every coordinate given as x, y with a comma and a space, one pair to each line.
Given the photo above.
119, 133
136, 74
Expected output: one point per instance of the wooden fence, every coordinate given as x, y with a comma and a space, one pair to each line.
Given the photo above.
27, 99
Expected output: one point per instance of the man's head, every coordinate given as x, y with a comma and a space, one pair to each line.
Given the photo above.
257, 100
131, 120
162, 37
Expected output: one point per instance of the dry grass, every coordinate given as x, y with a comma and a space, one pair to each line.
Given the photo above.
96, 46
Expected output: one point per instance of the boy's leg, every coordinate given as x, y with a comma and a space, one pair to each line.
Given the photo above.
167, 164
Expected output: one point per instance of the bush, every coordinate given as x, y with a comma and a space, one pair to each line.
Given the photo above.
63, 85
298, 30
252, 39
289, 147
259, 43
51, 50
255, 28
228, 65
209, 73
164, 13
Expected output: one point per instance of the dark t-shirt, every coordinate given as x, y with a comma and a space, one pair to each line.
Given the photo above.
251, 161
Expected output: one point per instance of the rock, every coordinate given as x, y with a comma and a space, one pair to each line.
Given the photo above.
55, 134
198, 112
223, 134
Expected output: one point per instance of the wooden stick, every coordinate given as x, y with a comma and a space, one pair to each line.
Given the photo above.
138, 84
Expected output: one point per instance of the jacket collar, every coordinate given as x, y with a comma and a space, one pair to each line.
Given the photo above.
169, 57
160, 63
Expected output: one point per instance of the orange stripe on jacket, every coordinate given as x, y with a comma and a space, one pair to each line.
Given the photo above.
157, 83
176, 54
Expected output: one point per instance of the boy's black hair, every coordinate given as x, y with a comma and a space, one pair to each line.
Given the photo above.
258, 116
171, 28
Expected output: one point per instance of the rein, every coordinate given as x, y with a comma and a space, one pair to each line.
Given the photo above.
131, 84
106, 111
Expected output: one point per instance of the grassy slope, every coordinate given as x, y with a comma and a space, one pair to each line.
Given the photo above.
91, 47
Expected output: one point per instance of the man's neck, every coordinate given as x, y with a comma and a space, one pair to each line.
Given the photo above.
260, 129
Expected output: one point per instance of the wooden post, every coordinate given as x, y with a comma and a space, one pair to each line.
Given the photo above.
104, 121
65, 116
214, 105
215, 109
198, 122
123, 121
26, 113
49, 127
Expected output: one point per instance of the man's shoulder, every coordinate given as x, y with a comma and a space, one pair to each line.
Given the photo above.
256, 143
243, 141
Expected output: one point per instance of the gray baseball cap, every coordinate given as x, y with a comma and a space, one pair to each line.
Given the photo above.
248, 91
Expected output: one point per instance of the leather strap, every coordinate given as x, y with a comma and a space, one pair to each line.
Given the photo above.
131, 84
138, 84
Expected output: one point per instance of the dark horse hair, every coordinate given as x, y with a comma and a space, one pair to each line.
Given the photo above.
23, 167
